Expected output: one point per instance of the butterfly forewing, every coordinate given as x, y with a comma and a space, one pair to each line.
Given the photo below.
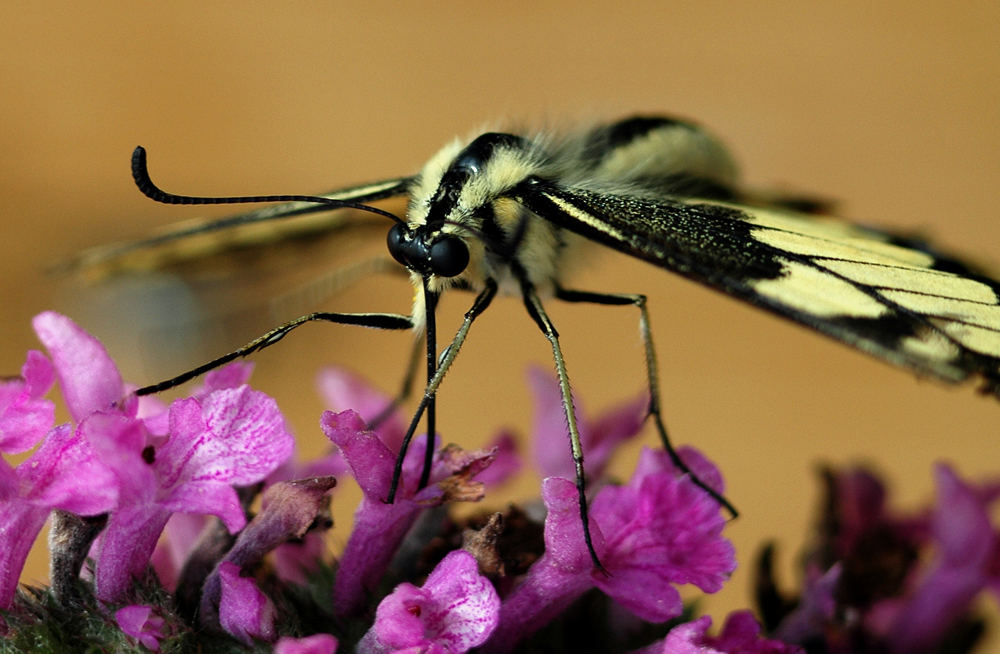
866, 288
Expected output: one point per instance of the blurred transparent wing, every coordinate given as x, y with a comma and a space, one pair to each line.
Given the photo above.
204, 286
200, 239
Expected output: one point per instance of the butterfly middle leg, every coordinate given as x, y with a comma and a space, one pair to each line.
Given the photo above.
652, 373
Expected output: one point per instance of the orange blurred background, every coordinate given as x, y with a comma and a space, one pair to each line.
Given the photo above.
891, 108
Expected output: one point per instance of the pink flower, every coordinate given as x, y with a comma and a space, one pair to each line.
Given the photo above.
870, 583
25, 415
740, 635
658, 530
379, 527
245, 612
61, 474
340, 390
455, 610
143, 468
139, 622
315, 644
966, 545
288, 509
64, 472
230, 437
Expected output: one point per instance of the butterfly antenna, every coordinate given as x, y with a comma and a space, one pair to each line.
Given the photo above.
140, 173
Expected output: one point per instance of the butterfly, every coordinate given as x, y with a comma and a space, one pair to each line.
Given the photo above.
508, 213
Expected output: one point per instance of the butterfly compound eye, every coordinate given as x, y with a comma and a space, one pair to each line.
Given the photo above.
396, 241
449, 256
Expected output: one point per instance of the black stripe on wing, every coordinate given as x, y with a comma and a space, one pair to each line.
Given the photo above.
860, 286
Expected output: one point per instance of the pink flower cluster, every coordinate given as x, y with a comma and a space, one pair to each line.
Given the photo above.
130, 483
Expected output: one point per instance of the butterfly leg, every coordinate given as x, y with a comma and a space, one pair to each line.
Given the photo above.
443, 364
652, 373
537, 312
372, 320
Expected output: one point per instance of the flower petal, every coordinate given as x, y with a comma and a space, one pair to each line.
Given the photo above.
647, 593
740, 635
25, 415
118, 442
549, 428
20, 523
342, 390
315, 644
232, 375
234, 435
467, 606
209, 498
506, 461
288, 509
245, 612
966, 545
89, 379
370, 460
63, 473
139, 622
457, 609
8, 481
125, 548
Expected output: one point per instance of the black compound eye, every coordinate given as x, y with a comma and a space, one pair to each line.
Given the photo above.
396, 241
449, 256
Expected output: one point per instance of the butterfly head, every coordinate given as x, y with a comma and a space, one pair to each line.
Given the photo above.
428, 250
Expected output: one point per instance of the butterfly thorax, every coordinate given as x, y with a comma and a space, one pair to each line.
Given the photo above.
470, 192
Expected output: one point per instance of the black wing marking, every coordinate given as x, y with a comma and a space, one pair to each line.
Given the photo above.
199, 238
860, 286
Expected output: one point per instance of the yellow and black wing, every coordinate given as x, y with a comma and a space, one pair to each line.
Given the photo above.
888, 296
